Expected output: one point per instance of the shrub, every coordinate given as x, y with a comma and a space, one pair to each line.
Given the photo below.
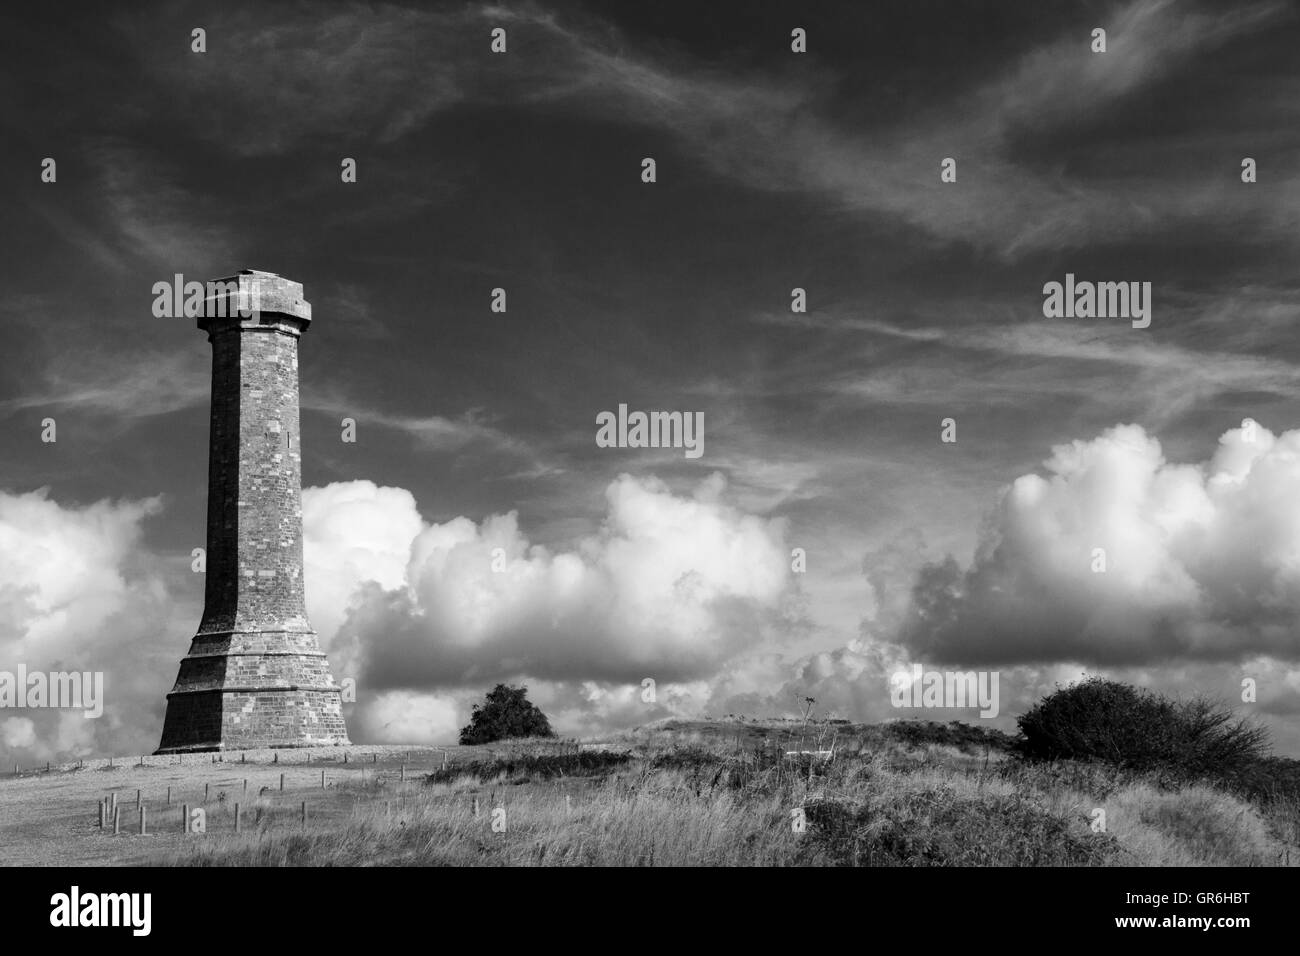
938, 827
506, 712
525, 767
1104, 720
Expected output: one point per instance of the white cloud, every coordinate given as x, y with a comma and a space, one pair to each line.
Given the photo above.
1202, 561
669, 587
77, 593
353, 532
61, 569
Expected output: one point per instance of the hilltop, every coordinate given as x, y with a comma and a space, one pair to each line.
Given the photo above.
711, 792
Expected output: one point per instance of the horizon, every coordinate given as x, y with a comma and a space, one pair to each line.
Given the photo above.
897, 446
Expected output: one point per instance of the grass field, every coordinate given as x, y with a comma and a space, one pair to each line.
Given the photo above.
676, 793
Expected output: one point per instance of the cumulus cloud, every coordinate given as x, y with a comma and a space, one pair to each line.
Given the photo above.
669, 587
61, 570
76, 594
427, 616
1201, 560
354, 532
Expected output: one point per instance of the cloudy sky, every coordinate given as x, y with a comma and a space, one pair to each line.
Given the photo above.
775, 170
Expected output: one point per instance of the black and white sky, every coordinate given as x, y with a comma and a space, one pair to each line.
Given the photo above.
476, 430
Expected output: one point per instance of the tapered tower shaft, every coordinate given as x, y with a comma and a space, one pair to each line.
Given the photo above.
255, 675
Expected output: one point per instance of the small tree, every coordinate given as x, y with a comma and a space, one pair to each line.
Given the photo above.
506, 712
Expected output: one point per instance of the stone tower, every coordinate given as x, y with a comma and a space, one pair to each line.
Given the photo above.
254, 676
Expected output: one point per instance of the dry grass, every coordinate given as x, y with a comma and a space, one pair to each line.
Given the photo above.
729, 795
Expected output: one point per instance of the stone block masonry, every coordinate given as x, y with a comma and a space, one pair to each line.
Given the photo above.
255, 675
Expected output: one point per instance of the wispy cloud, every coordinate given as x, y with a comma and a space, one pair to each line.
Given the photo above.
118, 385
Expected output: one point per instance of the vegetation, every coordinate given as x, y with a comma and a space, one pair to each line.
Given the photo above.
906, 793
1133, 729
505, 713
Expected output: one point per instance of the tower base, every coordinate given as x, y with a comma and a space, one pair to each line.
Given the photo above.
265, 718
250, 690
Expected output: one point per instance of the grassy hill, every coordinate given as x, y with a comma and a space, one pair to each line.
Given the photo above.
745, 792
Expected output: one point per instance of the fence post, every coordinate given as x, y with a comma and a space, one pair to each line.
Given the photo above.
101, 814
169, 796
322, 779
282, 783
206, 790
137, 799
185, 818
117, 821
142, 829
236, 818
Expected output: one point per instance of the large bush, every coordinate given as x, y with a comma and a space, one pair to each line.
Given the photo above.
506, 712
1100, 719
